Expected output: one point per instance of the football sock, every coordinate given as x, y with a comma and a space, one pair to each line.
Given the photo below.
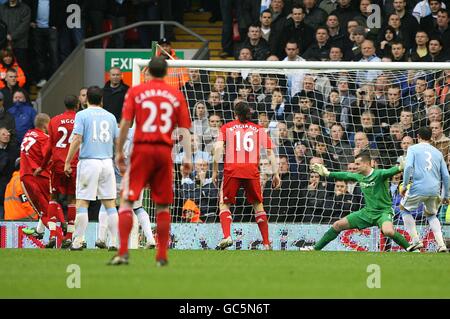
102, 224
162, 232
329, 236
225, 221
113, 225
263, 225
144, 221
410, 225
81, 225
125, 225
60, 214
400, 240
52, 215
435, 226
71, 214
40, 228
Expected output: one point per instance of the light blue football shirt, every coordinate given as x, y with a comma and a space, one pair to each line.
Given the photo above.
426, 166
99, 130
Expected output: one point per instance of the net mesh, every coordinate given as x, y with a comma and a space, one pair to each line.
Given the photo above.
325, 116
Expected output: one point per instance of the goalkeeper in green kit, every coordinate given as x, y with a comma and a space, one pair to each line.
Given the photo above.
378, 211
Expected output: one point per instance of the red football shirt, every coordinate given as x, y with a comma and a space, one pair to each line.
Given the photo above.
34, 146
158, 109
243, 142
60, 130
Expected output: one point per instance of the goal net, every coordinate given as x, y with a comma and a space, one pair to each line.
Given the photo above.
315, 112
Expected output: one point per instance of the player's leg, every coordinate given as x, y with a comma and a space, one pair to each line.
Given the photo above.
431, 210
228, 191
53, 207
254, 196
102, 228
71, 215
107, 193
144, 221
387, 228
81, 223
332, 233
408, 204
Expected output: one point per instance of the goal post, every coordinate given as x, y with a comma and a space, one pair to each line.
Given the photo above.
315, 112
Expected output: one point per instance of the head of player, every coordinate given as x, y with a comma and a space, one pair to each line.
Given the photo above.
157, 67
424, 135
95, 96
242, 112
363, 163
71, 103
41, 122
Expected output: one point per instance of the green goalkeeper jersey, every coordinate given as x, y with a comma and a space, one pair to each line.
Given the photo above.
375, 187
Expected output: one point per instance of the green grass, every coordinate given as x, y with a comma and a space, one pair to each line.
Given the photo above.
33, 273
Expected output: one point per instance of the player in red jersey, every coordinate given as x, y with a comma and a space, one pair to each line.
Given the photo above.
243, 141
158, 109
37, 188
60, 131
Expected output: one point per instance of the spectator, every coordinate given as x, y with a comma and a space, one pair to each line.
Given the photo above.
401, 31
382, 84
416, 97
439, 140
389, 143
356, 39
429, 21
16, 16
23, 113
314, 197
364, 16
227, 7
442, 30
309, 90
212, 132
408, 22
298, 129
82, 99
279, 109
7, 120
312, 134
278, 14
299, 163
328, 5
220, 86
197, 153
45, 18
435, 114
95, 14
194, 89
328, 119
320, 49
436, 51
344, 11
390, 114
337, 35
117, 13
284, 144
8, 154
296, 30
245, 54
430, 99
340, 150
8, 61
270, 34
407, 141
368, 55
346, 100
306, 107
353, 187
406, 121
259, 47
385, 47
114, 93
442, 87
421, 50
338, 204
11, 86
336, 54
294, 80
69, 38
362, 143
200, 123
315, 16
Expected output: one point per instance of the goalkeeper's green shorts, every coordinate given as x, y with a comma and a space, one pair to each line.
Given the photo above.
364, 218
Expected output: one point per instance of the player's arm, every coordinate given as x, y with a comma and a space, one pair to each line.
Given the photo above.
342, 176
217, 156
120, 142
445, 181
73, 149
409, 164
388, 173
47, 151
276, 180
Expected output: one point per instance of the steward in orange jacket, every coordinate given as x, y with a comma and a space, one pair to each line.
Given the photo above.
16, 203
8, 61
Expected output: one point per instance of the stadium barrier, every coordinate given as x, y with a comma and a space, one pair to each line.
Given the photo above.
246, 235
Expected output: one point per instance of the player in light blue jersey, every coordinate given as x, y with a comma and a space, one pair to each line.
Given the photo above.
94, 133
426, 167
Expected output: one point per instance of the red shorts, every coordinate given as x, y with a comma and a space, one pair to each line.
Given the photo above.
231, 185
37, 190
61, 184
151, 165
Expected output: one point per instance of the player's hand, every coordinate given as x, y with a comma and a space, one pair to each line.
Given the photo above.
276, 181
445, 201
403, 192
37, 171
67, 169
401, 163
120, 162
320, 169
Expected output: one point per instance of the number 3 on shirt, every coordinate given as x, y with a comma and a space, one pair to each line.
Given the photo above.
149, 126
429, 164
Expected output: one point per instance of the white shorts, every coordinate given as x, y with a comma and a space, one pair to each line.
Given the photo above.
411, 203
96, 179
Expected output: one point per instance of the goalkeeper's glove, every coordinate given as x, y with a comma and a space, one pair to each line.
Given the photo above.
320, 169
401, 163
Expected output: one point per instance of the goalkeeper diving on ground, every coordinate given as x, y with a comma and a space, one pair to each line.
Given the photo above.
377, 211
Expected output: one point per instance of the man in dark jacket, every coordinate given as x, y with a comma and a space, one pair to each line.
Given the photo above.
296, 29
16, 15
114, 93
7, 120
259, 47
11, 86
8, 154
45, 18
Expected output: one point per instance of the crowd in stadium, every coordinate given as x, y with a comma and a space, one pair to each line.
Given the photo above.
318, 117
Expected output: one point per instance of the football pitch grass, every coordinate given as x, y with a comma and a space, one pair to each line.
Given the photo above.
38, 273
